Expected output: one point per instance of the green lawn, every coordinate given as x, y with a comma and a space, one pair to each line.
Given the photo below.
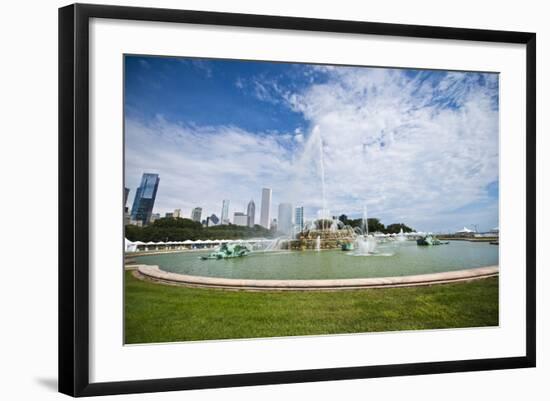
163, 313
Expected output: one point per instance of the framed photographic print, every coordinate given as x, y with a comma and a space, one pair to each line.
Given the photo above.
250, 199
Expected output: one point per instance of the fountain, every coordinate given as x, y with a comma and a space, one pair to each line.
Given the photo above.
275, 245
227, 251
364, 246
327, 232
430, 240
364, 243
321, 234
401, 236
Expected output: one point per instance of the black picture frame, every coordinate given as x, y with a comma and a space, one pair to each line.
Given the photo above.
74, 198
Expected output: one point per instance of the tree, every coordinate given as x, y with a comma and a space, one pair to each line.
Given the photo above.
177, 223
344, 219
375, 225
396, 228
169, 229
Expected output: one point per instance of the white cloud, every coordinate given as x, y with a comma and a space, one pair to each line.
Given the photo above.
388, 143
413, 149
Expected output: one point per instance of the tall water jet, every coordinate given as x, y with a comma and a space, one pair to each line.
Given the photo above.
318, 243
401, 235
364, 244
324, 212
365, 221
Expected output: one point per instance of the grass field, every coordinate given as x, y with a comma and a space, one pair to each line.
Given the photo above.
163, 313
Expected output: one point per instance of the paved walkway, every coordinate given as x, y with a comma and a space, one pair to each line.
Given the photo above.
155, 273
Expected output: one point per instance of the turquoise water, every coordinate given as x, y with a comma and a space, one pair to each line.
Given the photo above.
393, 259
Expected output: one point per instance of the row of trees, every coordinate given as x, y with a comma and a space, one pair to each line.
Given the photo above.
178, 229
375, 225
170, 229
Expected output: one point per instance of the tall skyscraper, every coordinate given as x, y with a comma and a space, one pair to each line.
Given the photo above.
240, 219
196, 214
284, 219
251, 213
299, 218
145, 198
225, 212
266, 207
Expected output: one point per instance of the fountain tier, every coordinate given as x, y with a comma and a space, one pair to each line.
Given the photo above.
321, 239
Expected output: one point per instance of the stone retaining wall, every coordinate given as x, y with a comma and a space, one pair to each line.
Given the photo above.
156, 274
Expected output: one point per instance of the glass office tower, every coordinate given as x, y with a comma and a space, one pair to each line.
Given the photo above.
145, 198
299, 218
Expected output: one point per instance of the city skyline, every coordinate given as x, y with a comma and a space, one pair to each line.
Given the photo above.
289, 219
196, 212
419, 147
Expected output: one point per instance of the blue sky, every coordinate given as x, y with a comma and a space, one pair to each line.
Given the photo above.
415, 146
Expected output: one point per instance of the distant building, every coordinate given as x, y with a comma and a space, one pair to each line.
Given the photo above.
251, 213
169, 215
126, 213
284, 218
138, 223
266, 207
213, 220
177, 214
196, 214
225, 212
299, 218
273, 225
154, 217
240, 219
145, 198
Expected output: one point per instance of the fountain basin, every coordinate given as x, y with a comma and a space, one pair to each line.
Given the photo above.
390, 260
154, 273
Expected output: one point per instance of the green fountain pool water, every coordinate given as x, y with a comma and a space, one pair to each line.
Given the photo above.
392, 259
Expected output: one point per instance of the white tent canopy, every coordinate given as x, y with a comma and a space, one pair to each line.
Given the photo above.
130, 246
465, 230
